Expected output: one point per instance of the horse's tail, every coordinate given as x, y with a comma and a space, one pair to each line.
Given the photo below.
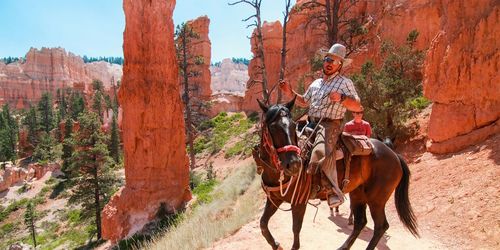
403, 206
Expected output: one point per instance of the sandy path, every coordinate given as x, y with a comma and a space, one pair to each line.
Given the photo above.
326, 233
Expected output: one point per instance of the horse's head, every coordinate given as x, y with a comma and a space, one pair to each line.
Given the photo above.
281, 131
388, 141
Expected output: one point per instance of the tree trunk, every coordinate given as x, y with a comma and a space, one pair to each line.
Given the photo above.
186, 99
283, 48
335, 19
33, 233
260, 53
97, 203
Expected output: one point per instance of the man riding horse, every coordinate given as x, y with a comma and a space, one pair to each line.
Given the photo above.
328, 98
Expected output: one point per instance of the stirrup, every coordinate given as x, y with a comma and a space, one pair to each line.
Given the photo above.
335, 204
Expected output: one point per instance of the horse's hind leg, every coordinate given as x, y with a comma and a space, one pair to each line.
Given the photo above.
298, 212
269, 210
358, 208
380, 222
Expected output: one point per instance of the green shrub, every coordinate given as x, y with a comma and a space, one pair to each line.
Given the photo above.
14, 206
74, 216
6, 229
203, 191
223, 127
419, 103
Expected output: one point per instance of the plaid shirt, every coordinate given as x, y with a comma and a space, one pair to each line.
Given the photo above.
320, 104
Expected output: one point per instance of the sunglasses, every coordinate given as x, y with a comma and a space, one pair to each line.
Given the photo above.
330, 60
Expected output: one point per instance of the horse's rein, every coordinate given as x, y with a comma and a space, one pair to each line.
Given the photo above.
273, 153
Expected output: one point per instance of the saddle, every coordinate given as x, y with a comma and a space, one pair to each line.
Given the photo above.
348, 144
356, 144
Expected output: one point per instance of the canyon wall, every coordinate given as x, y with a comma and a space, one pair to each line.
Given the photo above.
461, 65
156, 165
229, 78
271, 35
22, 83
461, 75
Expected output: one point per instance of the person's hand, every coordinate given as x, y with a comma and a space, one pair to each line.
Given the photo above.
335, 96
285, 87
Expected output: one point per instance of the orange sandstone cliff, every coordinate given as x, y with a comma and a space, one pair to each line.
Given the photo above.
48, 69
271, 34
461, 67
156, 166
461, 75
201, 47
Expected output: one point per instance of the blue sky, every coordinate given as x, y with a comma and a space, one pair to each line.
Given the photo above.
95, 27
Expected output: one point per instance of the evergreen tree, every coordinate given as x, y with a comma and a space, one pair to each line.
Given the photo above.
77, 105
67, 147
114, 148
46, 112
31, 121
9, 131
388, 92
44, 151
90, 164
184, 35
98, 104
63, 106
29, 220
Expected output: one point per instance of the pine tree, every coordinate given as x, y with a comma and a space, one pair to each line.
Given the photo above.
77, 105
93, 177
98, 99
184, 35
67, 147
31, 120
46, 112
29, 220
9, 131
115, 140
44, 151
63, 106
387, 92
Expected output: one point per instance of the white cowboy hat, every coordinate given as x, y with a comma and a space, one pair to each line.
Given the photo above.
340, 51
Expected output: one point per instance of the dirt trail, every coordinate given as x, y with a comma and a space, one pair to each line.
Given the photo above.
326, 232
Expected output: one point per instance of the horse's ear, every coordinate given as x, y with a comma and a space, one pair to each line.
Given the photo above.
263, 106
290, 104
393, 139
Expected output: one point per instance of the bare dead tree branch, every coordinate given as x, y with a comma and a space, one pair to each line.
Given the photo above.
260, 41
286, 18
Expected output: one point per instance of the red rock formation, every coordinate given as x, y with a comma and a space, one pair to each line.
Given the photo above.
461, 75
460, 68
225, 102
47, 70
229, 77
12, 174
201, 47
156, 166
271, 33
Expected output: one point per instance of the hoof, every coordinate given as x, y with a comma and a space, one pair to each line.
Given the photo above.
278, 247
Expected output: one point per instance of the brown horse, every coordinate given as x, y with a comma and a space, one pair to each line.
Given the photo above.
373, 178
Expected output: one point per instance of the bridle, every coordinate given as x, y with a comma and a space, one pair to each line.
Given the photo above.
268, 146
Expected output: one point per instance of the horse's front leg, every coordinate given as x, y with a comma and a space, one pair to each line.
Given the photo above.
298, 212
269, 210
